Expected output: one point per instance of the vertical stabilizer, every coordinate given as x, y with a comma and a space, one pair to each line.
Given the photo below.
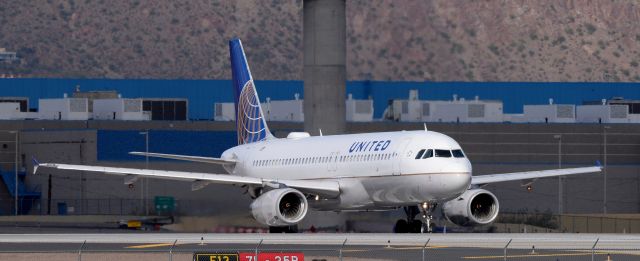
251, 125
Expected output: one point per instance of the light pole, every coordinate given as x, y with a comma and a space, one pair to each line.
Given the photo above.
604, 170
560, 192
16, 170
144, 190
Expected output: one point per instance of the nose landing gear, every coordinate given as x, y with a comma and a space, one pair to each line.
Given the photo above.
413, 225
426, 209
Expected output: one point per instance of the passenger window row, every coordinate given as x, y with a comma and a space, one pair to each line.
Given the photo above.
322, 160
367, 157
428, 153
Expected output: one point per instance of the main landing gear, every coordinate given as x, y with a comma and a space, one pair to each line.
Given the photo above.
413, 225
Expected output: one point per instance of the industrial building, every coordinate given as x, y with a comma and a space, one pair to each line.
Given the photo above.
120, 109
293, 110
196, 99
547, 113
202, 94
182, 125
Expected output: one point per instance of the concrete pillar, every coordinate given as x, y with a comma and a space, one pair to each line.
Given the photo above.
324, 66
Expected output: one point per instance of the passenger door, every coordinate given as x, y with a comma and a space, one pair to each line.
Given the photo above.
332, 165
399, 152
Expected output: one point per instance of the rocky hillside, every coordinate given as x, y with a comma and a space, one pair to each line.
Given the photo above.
412, 40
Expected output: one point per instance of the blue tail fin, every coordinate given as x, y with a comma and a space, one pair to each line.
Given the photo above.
250, 122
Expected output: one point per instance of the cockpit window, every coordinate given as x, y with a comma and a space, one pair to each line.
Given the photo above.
420, 154
443, 153
428, 154
458, 153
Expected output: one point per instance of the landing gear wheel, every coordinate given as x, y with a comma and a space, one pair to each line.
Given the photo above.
416, 226
401, 226
286, 229
413, 225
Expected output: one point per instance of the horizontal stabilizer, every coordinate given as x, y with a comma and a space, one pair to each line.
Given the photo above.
130, 179
199, 184
185, 158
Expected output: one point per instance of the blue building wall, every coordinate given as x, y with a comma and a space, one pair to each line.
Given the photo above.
203, 93
115, 145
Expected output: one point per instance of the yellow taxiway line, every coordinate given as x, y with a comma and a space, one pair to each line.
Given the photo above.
549, 255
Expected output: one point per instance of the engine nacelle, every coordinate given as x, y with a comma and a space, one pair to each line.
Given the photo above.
280, 207
474, 207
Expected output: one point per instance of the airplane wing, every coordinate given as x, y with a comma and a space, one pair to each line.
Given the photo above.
185, 157
531, 175
327, 188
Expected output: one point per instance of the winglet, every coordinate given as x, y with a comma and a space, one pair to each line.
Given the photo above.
36, 164
598, 164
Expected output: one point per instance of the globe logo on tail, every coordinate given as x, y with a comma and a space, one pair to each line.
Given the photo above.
250, 125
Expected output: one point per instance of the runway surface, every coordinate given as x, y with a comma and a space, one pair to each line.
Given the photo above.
356, 246
523, 241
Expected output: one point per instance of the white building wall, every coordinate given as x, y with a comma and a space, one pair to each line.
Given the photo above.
293, 110
119, 109
224, 111
493, 112
133, 110
10, 111
448, 112
462, 111
407, 110
64, 109
105, 109
286, 110
603, 114
53, 109
359, 110
553, 113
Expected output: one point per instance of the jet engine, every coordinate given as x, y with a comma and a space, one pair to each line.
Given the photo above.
280, 207
474, 207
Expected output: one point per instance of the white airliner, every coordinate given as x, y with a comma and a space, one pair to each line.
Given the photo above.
416, 170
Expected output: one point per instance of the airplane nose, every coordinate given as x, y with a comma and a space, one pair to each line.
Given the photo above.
468, 167
462, 166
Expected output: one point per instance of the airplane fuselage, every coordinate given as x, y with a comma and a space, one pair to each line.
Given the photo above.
374, 170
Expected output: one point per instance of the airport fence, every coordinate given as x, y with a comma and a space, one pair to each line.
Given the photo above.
429, 250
